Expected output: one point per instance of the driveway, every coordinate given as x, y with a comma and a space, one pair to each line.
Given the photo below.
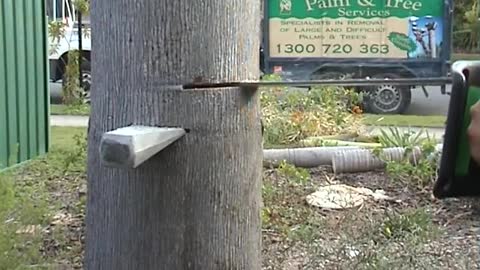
435, 104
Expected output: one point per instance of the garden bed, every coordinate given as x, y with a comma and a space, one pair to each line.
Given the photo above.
418, 232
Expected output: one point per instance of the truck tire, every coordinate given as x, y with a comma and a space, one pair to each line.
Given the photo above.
387, 99
86, 82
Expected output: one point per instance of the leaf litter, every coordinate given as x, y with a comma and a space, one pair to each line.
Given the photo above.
404, 228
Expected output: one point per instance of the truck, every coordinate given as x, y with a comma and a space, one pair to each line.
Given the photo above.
63, 12
360, 39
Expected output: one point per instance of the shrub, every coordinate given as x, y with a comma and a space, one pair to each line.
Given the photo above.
417, 167
291, 115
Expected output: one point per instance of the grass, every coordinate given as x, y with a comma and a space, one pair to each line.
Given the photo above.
62, 138
465, 56
40, 204
405, 120
61, 109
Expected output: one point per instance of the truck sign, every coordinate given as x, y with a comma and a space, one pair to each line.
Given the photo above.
396, 29
360, 39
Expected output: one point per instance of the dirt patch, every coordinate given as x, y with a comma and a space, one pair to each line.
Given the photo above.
419, 232
64, 237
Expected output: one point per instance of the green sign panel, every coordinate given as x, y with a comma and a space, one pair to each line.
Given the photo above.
356, 28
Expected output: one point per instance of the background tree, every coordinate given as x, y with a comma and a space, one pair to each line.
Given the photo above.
466, 26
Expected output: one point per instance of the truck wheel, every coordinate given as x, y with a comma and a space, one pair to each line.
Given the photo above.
387, 99
86, 83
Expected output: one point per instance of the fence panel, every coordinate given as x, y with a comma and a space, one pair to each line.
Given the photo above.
24, 94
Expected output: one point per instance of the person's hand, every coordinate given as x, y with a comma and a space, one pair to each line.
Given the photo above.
474, 132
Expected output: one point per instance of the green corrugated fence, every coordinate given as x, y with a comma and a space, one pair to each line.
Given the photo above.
24, 94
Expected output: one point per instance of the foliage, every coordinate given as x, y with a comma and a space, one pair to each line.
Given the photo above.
472, 25
466, 26
420, 161
291, 115
71, 86
396, 138
282, 203
82, 6
293, 174
78, 154
23, 211
414, 222
56, 31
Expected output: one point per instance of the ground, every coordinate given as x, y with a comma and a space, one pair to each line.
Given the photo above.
44, 202
417, 233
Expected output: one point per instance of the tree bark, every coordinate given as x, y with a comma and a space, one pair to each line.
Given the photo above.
195, 205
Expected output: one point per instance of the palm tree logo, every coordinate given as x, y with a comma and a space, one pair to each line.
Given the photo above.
285, 6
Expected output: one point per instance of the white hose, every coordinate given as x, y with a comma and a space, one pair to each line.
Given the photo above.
343, 159
363, 160
307, 157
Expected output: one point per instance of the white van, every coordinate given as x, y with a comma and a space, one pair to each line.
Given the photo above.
64, 11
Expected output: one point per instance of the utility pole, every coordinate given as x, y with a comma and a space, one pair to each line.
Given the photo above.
80, 48
195, 204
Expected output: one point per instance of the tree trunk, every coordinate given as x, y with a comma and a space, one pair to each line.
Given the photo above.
195, 205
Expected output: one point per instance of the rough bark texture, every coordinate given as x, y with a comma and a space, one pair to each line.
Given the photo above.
195, 205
